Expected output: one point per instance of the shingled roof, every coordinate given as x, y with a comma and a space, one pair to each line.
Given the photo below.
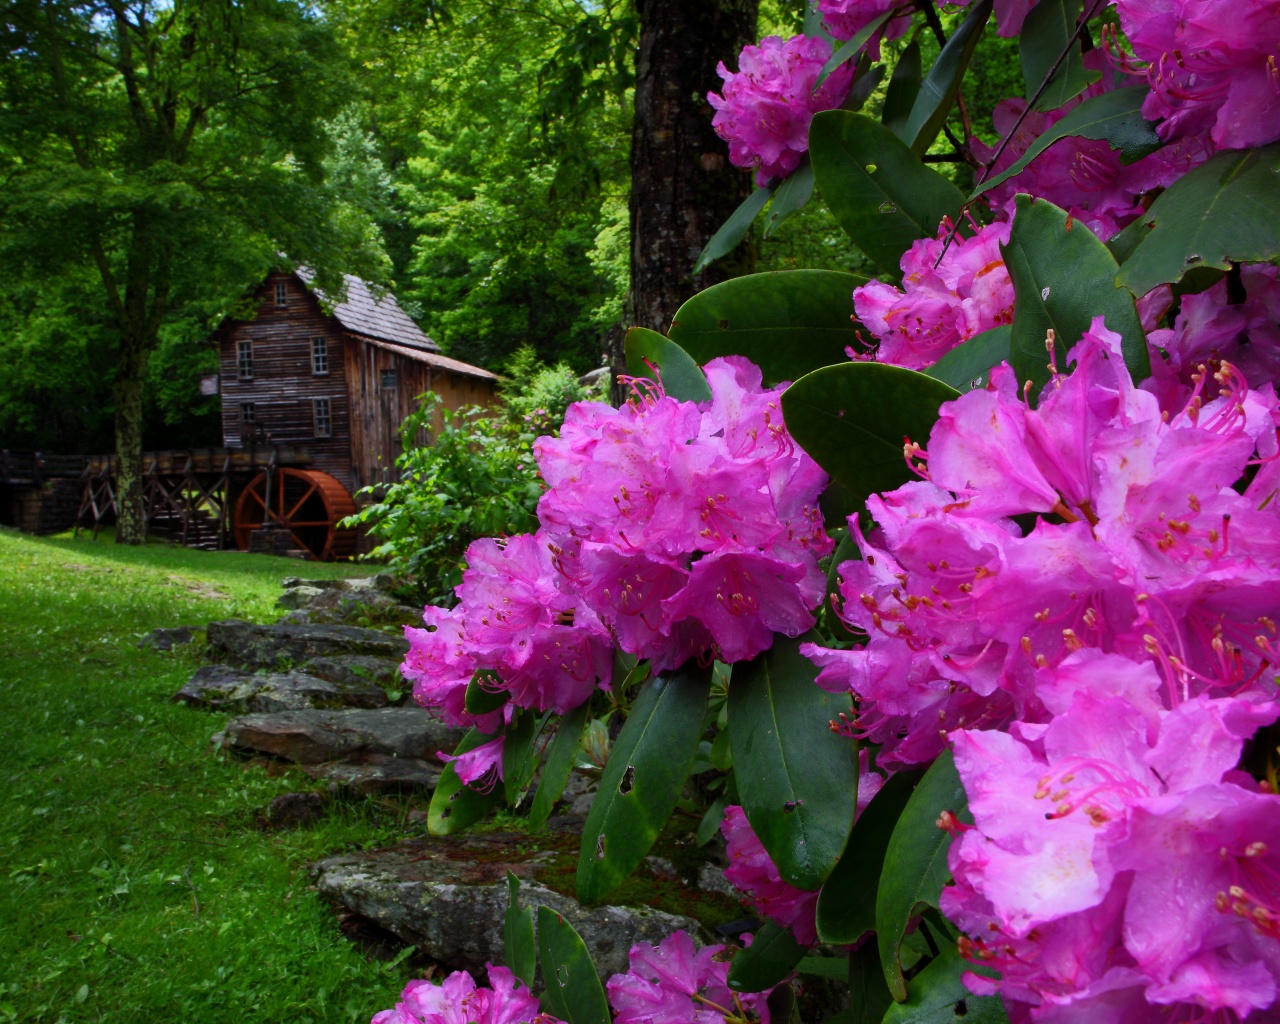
382, 318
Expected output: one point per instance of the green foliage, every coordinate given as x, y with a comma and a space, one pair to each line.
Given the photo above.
772, 955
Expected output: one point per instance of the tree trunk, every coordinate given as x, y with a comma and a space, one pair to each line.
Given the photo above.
131, 372
682, 184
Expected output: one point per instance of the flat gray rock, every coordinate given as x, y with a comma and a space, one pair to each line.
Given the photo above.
284, 646
313, 737
376, 774
448, 895
353, 669
219, 688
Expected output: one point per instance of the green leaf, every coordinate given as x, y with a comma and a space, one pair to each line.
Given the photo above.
1226, 210
455, 806
733, 230
876, 187
1062, 278
573, 986
1114, 118
939, 88
966, 367
641, 783
787, 322
853, 418
790, 196
709, 826
519, 754
772, 955
847, 903
824, 967
681, 376
558, 764
851, 49
938, 996
865, 80
904, 87
869, 998
915, 863
1050, 28
797, 779
520, 949
479, 700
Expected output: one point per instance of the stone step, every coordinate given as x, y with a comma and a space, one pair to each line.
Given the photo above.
221, 688
311, 736
378, 774
253, 646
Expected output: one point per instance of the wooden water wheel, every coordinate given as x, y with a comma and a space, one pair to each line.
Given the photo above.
307, 502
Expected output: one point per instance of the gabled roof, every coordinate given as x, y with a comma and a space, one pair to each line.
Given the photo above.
372, 317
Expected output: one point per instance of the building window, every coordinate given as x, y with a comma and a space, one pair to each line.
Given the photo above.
282, 294
244, 360
246, 413
389, 380
319, 355
321, 408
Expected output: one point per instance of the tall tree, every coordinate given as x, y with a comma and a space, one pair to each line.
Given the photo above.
175, 148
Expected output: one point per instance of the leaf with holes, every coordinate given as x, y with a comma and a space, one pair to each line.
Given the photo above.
519, 948
1114, 118
1226, 210
573, 987
852, 419
1062, 278
772, 955
847, 903
878, 190
648, 351
1049, 29
647, 768
733, 230
557, 766
967, 367
455, 806
942, 83
915, 862
937, 995
787, 322
798, 780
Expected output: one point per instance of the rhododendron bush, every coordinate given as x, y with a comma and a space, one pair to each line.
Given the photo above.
951, 600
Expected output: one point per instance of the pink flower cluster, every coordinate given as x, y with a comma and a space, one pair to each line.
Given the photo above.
846, 18
1211, 66
1097, 673
457, 1000
937, 308
672, 983
768, 103
752, 871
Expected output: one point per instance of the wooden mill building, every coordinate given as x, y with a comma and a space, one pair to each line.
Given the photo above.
338, 384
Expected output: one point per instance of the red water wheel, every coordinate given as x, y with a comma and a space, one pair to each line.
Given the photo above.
307, 502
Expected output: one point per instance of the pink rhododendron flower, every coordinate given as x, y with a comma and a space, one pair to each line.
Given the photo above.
480, 767
1211, 65
457, 1000
674, 983
768, 103
968, 292
439, 666
846, 18
752, 871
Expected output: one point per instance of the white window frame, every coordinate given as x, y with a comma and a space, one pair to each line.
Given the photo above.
282, 294
320, 357
244, 360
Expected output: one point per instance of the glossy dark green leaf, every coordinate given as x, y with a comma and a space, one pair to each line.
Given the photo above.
519, 947
1226, 210
853, 418
1049, 29
876, 187
851, 49
681, 376
1114, 118
937, 995
772, 955
734, 230
641, 783
455, 806
940, 85
847, 903
797, 779
519, 754
967, 366
787, 322
709, 826
904, 87
824, 966
790, 196
1062, 278
1125, 242
573, 986
869, 998
915, 862
561, 754
867, 77
483, 693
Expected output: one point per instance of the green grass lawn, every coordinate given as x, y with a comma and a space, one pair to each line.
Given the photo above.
136, 885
